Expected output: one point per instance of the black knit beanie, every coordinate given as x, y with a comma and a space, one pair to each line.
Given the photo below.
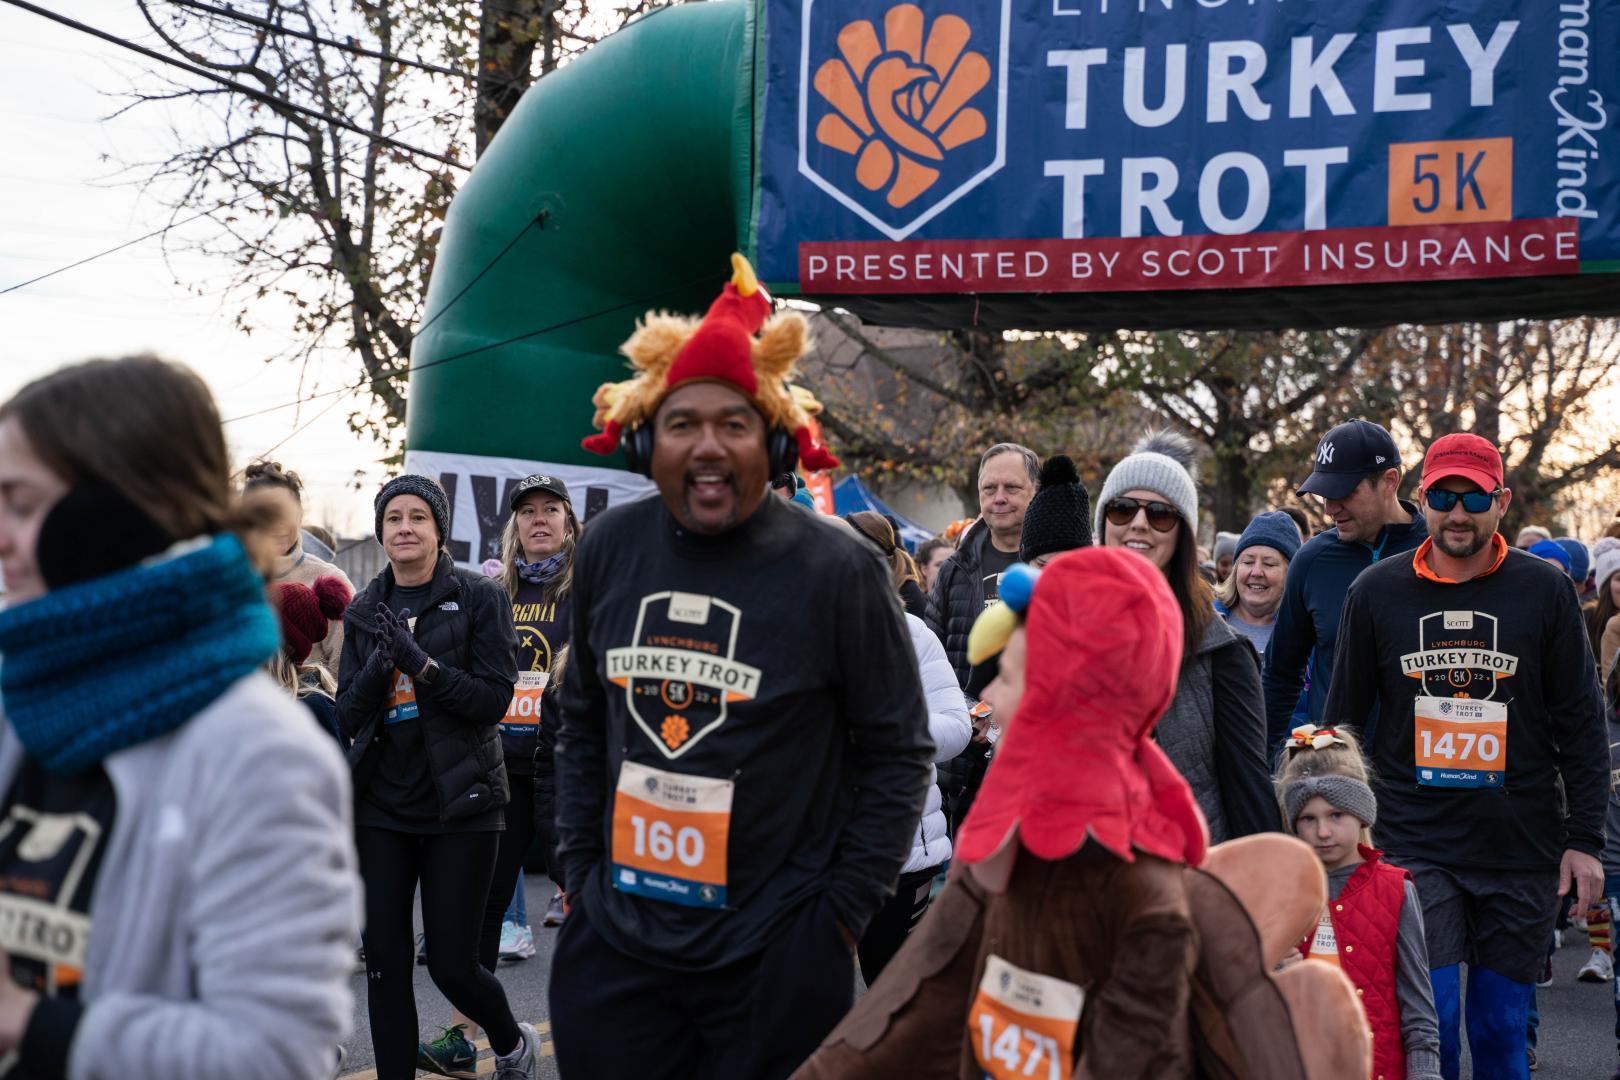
1059, 516
423, 487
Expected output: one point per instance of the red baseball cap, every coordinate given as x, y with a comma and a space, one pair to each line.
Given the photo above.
1468, 456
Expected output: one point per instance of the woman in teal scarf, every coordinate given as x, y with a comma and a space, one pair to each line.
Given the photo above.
170, 821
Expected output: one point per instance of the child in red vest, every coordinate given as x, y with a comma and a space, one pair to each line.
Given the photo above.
1372, 927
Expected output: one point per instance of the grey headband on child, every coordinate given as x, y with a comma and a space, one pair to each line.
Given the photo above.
1342, 793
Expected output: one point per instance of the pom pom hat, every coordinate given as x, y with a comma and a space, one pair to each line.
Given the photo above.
736, 343
1162, 463
306, 612
1059, 516
1078, 760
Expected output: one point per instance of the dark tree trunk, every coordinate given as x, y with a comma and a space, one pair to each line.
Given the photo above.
508, 31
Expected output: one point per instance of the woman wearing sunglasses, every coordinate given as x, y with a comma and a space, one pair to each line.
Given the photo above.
1214, 731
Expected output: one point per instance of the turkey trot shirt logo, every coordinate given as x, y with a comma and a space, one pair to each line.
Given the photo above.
680, 676
1457, 657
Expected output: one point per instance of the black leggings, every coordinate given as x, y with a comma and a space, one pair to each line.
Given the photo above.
508, 862
454, 871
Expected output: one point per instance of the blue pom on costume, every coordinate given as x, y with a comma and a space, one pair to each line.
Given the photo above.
1017, 585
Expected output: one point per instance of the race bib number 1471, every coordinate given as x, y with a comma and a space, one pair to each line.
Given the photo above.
1023, 1024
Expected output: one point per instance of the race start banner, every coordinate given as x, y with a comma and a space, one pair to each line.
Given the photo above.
960, 146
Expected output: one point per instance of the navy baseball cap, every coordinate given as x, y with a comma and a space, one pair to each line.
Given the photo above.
1346, 455
538, 482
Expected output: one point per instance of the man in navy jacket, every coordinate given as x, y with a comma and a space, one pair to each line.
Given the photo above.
1357, 474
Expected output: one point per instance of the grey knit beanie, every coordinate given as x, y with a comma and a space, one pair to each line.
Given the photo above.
423, 487
1162, 463
1342, 793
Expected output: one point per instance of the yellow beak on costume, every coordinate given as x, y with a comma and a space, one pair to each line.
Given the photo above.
742, 275
990, 632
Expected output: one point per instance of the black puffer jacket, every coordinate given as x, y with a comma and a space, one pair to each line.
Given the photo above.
466, 626
956, 601
958, 598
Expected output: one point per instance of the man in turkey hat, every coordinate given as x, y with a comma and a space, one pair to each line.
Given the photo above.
740, 768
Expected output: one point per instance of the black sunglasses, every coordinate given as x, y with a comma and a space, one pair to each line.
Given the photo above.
1122, 511
1475, 502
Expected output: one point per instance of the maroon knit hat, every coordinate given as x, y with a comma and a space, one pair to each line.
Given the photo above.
305, 613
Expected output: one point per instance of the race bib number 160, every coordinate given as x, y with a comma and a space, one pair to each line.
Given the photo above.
669, 836
1023, 1024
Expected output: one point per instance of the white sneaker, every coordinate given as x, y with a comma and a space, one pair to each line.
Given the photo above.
1599, 969
525, 942
519, 1064
512, 942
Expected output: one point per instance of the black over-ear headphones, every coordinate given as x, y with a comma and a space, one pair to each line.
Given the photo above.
780, 447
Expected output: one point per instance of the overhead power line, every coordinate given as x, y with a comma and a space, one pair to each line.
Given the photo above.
125, 244
232, 84
351, 46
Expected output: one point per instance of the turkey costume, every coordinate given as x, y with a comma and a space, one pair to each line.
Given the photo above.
1084, 930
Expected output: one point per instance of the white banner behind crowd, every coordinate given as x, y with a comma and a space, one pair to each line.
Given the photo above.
479, 486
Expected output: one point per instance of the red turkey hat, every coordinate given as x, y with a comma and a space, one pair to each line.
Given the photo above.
738, 343
1077, 760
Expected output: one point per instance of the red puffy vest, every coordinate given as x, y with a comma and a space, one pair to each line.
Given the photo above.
1366, 919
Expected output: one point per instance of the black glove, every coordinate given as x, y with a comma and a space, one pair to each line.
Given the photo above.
379, 665
408, 655
382, 628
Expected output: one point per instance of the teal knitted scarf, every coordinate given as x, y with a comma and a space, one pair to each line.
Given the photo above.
104, 665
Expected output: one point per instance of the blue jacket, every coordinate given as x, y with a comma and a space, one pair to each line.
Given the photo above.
1308, 621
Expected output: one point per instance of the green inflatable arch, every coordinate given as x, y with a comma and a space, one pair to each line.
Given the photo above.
625, 178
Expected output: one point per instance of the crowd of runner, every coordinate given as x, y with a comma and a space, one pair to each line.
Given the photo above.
748, 739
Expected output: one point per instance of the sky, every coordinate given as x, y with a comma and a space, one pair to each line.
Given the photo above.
61, 201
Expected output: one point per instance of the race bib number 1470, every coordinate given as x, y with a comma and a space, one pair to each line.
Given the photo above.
1460, 742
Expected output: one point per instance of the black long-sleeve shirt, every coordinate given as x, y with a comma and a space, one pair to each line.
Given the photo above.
1513, 636
773, 656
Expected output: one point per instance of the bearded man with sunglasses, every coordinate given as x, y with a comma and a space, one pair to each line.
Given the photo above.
1357, 475
1475, 655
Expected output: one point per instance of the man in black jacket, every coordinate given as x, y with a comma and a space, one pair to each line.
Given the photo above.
741, 767
968, 583
429, 662
1488, 701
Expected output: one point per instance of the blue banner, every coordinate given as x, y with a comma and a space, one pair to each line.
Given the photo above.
1054, 145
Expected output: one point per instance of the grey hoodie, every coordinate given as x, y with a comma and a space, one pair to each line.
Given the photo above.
224, 917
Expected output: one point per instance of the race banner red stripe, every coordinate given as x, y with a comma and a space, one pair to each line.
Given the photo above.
1533, 247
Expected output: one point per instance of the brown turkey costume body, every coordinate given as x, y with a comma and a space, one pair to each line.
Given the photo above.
1085, 931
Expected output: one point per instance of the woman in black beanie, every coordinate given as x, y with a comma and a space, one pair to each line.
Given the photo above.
1059, 516
429, 665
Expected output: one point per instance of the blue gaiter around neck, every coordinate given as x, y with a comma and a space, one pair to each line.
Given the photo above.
98, 667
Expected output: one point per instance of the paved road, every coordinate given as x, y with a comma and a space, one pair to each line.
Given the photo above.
1577, 1019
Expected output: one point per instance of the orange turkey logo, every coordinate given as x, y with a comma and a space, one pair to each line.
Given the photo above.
902, 105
